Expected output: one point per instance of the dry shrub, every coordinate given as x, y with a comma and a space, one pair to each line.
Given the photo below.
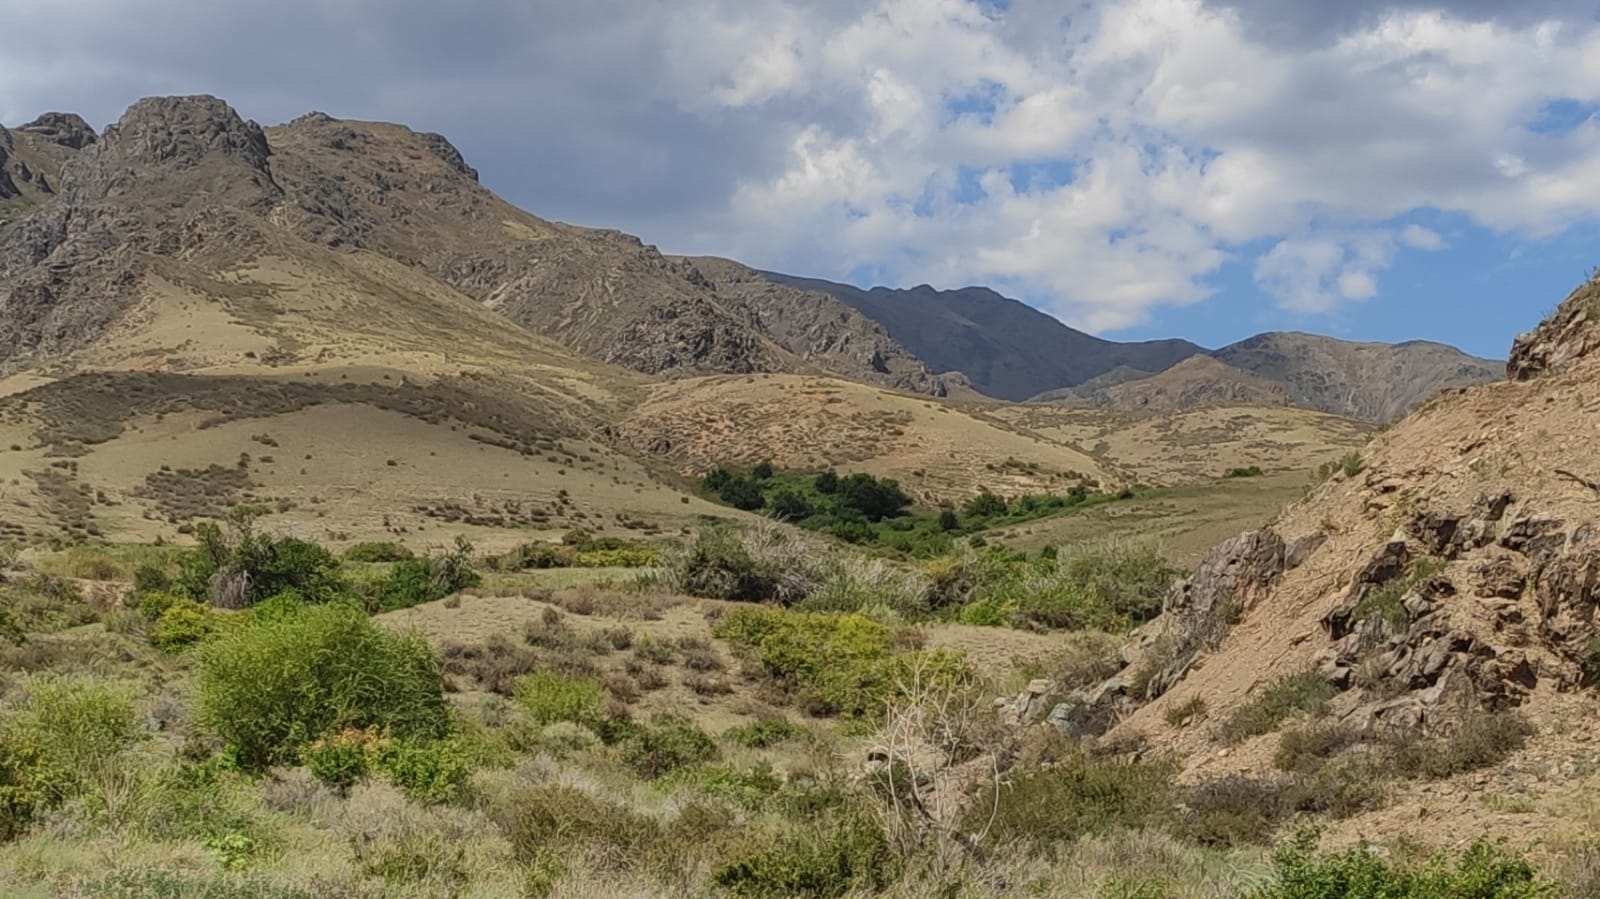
622, 687
1479, 739
707, 684
699, 655
493, 665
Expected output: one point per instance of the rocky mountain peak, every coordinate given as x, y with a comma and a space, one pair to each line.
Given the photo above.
64, 128
181, 131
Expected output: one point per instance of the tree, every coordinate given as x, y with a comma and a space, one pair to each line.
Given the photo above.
763, 470
742, 493
875, 499
790, 506
985, 505
948, 520
827, 483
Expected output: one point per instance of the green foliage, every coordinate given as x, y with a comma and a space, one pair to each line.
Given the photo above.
1350, 465
242, 567
549, 697
1281, 700
669, 744
763, 734
1485, 871
826, 483
845, 852
719, 566
342, 759
984, 505
763, 470
378, 551
426, 579
1253, 471
790, 505
430, 771
563, 819
835, 664
1387, 602
65, 734
1107, 588
272, 686
1048, 808
184, 623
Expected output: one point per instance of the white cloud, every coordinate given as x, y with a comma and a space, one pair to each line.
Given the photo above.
1099, 157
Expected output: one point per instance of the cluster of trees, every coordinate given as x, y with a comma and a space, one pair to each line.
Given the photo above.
858, 496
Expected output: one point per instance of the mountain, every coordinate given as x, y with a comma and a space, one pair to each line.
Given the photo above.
1196, 382
1371, 381
1011, 351
1008, 349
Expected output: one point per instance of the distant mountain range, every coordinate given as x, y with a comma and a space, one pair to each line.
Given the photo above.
1011, 351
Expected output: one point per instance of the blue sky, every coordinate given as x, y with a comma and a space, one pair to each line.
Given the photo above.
1371, 169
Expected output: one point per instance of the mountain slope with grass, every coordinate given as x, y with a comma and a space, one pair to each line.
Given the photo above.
1416, 639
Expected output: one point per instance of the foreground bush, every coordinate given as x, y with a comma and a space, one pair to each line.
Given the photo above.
844, 852
270, 688
1045, 809
65, 737
416, 581
1485, 871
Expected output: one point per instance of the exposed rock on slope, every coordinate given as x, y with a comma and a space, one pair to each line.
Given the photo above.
1457, 573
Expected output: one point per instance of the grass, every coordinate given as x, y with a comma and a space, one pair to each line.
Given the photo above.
1291, 695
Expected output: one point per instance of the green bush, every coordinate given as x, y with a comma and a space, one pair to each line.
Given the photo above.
430, 771
342, 759
1253, 471
1478, 740
272, 686
241, 568
378, 551
844, 852
565, 820
530, 556
1048, 808
549, 697
718, 565
1485, 871
64, 735
1281, 700
155, 602
426, 579
984, 505
763, 734
669, 744
184, 623
789, 505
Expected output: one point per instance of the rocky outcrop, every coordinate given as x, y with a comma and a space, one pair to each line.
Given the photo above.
63, 128
1568, 335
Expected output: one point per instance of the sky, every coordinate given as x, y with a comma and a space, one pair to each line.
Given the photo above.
1370, 169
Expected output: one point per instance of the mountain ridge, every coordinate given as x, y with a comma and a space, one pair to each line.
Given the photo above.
1026, 354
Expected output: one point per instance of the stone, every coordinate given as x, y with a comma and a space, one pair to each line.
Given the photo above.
1301, 550
1039, 687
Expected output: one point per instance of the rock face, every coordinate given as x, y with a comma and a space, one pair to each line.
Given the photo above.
1568, 335
63, 128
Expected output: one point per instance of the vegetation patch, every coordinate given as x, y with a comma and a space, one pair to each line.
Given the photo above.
1276, 703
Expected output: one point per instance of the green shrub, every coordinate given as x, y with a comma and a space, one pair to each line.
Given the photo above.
184, 623
378, 551
1281, 700
1047, 808
742, 493
1307, 748
61, 739
669, 744
789, 505
430, 771
152, 604
1478, 740
530, 556
763, 734
718, 565
1485, 871
565, 820
429, 578
1253, 471
1233, 810
242, 567
270, 687
984, 505
843, 853
549, 697
342, 759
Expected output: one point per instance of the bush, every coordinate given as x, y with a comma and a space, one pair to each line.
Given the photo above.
984, 505
1485, 871
843, 853
430, 771
426, 579
184, 623
1253, 471
719, 565
788, 505
565, 820
1479, 740
763, 734
1305, 749
826, 483
242, 568
669, 744
549, 697
873, 498
271, 687
1278, 702
341, 760
1047, 808
1232, 810
742, 493
537, 556
63, 737
378, 551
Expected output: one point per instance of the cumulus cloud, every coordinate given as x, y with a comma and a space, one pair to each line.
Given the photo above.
1100, 158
